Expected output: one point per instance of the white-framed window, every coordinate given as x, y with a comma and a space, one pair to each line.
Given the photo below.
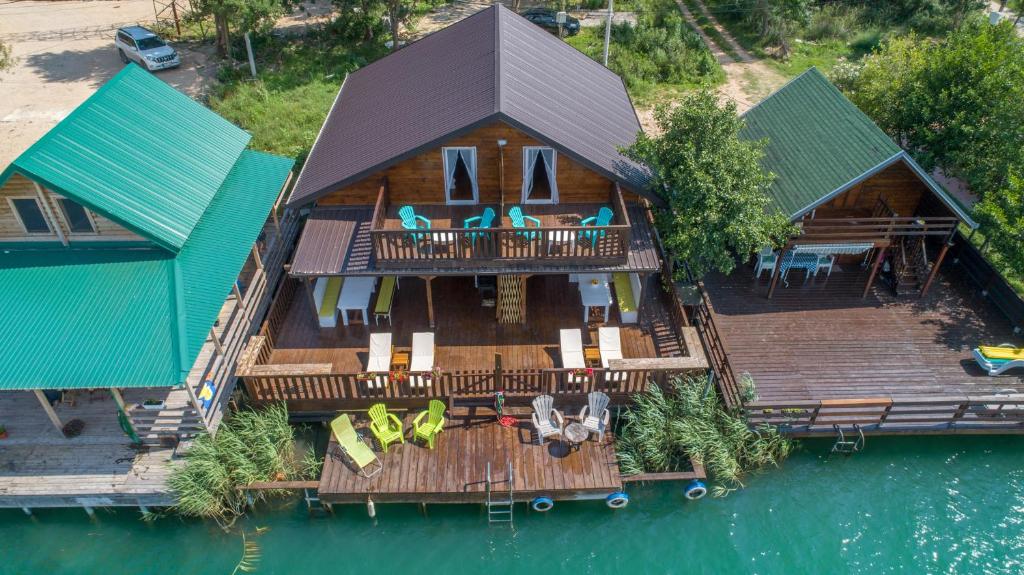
77, 217
460, 176
30, 215
539, 183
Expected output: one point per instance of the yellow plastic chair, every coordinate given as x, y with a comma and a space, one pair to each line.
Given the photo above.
434, 425
385, 426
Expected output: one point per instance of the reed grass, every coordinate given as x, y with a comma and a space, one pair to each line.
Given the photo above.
666, 430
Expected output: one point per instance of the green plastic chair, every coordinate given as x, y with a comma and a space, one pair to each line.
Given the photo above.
435, 423
603, 218
357, 451
485, 220
385, 426
515, 213
411, 221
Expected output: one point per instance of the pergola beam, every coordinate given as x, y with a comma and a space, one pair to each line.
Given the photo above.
49, 410
430, 299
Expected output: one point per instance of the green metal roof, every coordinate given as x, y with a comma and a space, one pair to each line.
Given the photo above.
95, 315
140, 153
818, 141
820, 144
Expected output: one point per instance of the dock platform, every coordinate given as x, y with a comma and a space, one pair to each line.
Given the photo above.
455, 471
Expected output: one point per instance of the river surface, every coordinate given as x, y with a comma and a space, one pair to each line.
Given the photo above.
904, 505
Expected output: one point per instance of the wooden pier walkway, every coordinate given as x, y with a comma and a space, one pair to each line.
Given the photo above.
455, 471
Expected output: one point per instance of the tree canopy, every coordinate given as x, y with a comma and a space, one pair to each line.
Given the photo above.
1001, 214
713, 183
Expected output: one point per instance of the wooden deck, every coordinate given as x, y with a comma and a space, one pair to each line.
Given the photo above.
467, 336
42, 468
454, 471
821, 340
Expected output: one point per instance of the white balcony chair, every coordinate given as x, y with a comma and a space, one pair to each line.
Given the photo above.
766, 260
546, 419
825, 263
595, 415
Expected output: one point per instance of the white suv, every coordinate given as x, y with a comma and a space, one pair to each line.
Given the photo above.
137, 44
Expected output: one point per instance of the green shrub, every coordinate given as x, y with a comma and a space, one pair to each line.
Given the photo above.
866, 41
833, 21
666, 430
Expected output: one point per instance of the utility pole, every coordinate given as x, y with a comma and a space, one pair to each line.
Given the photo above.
608, 32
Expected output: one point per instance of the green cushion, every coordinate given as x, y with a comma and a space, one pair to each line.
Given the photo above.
331, 294
384, 296
624, 292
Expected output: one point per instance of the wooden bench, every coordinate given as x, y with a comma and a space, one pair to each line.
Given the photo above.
325, 294
627, 291
385, 297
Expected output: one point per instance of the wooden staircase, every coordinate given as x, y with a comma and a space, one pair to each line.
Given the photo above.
154, 427
911, 266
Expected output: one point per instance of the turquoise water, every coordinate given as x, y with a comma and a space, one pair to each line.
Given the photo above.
907, 505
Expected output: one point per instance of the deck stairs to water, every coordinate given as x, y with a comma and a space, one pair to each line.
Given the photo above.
180, 421
848, 446
499, 502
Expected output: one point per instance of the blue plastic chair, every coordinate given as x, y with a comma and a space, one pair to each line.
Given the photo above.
603, 218
485, 220
411, 221
515, 213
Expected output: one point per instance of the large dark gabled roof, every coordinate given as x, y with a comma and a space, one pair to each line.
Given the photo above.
492, 66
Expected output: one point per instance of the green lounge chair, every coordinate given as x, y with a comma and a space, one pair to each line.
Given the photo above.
385, 297
515, 213
411, 221
357, 451
603, 218
385, 426
434, 424
485, 220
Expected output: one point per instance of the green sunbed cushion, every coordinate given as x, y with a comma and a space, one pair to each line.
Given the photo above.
384, 296
624, 292
331, 294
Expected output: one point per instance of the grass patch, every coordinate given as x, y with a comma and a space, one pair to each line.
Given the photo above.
666, 430
708, 28
298, 79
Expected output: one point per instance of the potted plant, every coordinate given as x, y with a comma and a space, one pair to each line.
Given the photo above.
153, 404
3, 432
364, 377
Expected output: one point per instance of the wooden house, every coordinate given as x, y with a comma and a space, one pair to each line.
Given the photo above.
417, 180
867, 315
139, 241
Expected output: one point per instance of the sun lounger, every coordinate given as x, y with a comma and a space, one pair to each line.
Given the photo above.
571, 348
351, 446
379, 361
609, 341
627, 295
422, 360
385, 298
997, 359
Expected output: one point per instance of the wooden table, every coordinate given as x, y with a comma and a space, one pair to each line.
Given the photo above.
592, 356
400, 361
575, 434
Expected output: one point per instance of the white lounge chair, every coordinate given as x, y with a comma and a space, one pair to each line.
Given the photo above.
379, 362
422, 360
595, 415
570, 345
609, 341
546, 419
766, 260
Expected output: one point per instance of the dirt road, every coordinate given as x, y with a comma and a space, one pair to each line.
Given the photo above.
64, 51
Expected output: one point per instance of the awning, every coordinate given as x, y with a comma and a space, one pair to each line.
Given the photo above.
833, 249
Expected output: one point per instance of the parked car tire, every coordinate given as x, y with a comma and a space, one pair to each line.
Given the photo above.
120, 53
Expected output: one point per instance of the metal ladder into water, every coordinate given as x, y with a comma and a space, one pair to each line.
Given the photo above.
500, 504
845, 446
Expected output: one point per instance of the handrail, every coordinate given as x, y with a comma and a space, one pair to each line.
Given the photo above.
876, 229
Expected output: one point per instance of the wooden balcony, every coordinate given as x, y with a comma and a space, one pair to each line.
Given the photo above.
559, 237
880, 231
319, 370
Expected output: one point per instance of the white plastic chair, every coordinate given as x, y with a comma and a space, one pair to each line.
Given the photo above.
546, 419
825, 263
595, 415
766, 260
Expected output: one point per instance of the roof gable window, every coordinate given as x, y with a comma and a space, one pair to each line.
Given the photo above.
539, 183
78, 219
460, 185
30, 215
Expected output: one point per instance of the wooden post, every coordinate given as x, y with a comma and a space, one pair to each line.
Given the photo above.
874, 271
237, 292
777, 272
49, 410
935, 268
256, 257
499, 382
430, 300
118, 399
308, 282
277, 220
216, 341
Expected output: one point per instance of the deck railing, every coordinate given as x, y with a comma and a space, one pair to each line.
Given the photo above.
714, 347
452, 247
873, 229
891, 414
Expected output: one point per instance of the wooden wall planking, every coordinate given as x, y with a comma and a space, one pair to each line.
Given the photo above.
11, 229
420, 179
900, 187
